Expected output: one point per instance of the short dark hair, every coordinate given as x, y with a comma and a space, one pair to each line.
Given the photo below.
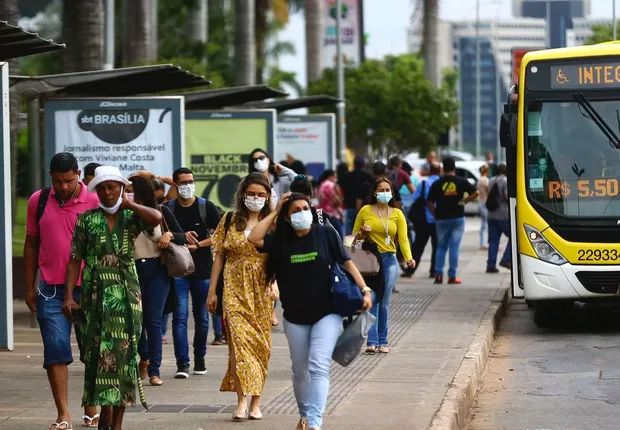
448, 164
301, 184
502, 169
63, 162
359, 162
406, 167
394, 161
378, 168
181, 171
89, 169
435, 168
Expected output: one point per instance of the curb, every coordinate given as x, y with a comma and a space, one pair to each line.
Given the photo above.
453, 413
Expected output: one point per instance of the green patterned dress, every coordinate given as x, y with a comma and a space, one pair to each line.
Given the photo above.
112, 304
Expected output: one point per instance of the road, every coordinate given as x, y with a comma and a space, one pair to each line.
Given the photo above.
566, 377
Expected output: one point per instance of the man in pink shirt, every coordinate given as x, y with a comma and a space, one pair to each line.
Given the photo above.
51, 217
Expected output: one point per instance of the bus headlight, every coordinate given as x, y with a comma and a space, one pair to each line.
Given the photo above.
543, 249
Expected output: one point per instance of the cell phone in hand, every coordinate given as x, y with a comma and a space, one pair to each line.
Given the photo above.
79, 317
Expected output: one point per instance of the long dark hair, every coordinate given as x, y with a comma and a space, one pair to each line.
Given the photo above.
144, 194
241, 211
252, 169
372, 198
282, 235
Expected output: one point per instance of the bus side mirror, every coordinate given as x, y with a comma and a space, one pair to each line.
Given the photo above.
507, 130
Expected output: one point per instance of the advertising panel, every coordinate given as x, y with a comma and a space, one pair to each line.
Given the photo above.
308, 138
218, 146
6, 238
351, 30
130, 133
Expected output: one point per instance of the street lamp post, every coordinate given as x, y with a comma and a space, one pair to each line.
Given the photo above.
613, 17
478, 145
108, 62
342, 123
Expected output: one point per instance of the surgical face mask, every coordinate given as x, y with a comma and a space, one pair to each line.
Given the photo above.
384, 197
255, 204
261, 164
301, 220
113, 209
187, 191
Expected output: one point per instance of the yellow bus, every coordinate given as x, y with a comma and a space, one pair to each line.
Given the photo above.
561, 132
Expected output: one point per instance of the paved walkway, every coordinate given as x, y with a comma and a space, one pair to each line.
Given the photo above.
431, 330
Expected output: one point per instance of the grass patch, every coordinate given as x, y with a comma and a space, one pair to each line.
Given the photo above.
19, 227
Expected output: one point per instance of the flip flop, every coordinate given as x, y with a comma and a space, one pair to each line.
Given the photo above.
63, 425
89, 421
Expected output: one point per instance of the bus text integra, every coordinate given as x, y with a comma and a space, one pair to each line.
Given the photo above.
561, 131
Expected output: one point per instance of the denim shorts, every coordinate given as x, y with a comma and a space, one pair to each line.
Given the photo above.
55, 327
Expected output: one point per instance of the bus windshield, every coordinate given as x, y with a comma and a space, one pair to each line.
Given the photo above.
572, 167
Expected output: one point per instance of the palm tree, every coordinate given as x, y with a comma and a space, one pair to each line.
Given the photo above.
314, 35
245, 43
82, 31
137, 32
429, 39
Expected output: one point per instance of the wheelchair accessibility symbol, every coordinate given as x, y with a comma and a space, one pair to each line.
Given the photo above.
561, 77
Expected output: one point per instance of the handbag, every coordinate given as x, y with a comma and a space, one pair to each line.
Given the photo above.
366, 262
352, 339
177, 258
347, 297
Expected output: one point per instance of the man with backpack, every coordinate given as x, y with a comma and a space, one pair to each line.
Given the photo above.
50, 221
196, 216
499, 219
423, 221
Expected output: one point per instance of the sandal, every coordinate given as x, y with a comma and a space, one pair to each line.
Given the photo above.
371, 350
383, 349
63, 425
90, 421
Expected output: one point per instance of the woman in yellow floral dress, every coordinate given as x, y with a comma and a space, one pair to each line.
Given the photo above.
248, 297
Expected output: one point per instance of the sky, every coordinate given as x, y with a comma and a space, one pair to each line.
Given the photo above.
386, 27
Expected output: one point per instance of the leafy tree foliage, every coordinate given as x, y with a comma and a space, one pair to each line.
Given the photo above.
600, 33
391, 106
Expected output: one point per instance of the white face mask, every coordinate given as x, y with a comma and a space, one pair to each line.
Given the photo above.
262, 165
113, 209
301, 220
187, 191
255, 204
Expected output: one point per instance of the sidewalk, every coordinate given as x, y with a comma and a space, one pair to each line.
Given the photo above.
432, 328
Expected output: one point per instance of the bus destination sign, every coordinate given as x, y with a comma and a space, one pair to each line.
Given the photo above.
585, 76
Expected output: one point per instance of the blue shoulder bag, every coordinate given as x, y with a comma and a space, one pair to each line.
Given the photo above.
346, 295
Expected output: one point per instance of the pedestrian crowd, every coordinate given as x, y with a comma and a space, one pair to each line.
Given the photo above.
116, 256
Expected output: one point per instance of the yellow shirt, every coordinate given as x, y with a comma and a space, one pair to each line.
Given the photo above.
396, 225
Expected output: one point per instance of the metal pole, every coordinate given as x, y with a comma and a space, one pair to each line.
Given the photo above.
548, 22
34, 143
108, 62
342, 122
613, 14
478, 145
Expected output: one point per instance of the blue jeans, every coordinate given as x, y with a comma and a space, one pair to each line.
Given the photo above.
449, 235
378, 333
496, 228
198, 288
349, 220
54, 326
154, 286
311, 348
484, 216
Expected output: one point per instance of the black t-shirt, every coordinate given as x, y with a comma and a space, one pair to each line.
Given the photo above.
356, 185
189, 220
303, 274
446, 192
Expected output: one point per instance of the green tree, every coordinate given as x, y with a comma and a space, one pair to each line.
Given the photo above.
391, 106
600, 33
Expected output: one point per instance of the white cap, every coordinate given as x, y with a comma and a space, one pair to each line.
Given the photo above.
106, 173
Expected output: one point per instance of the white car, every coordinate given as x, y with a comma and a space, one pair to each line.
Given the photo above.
470, 170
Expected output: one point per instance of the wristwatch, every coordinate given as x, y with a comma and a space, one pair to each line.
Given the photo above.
366, 290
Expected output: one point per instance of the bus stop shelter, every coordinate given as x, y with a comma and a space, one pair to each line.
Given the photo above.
282, 105
14, 43
222, 97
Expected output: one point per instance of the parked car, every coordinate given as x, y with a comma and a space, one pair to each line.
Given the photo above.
470, 170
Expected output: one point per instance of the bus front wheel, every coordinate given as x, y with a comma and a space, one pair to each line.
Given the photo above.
548, 312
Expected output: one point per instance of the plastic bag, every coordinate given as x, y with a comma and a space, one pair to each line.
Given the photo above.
352, 339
